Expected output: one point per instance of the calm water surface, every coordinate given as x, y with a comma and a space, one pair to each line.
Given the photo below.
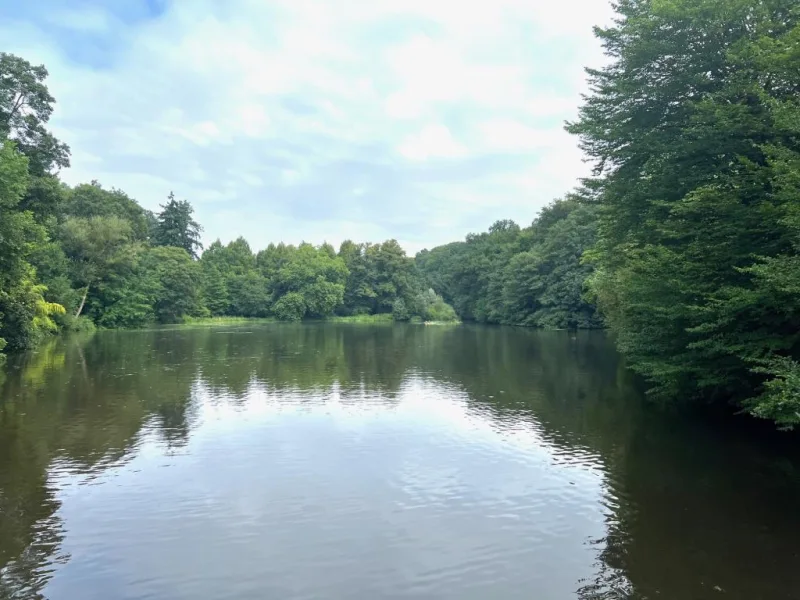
369, 462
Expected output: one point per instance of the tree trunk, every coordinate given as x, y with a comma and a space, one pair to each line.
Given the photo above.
83, 301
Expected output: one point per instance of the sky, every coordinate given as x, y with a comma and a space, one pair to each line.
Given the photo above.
319, 120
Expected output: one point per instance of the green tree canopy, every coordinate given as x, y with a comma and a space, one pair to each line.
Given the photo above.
175, 227
694, 129
25, 108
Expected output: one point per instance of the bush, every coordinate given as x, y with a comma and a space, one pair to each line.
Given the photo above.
72, 324
290, 307
400, 310
432, 307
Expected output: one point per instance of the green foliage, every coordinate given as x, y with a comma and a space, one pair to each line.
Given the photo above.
379, 275
313, 274
214, 290
126, 293
693, 127
363, 319
400, 311
72, 324
175, 227
249, 296
431, 307
232, 285
290, 307
532, 277
24, 313
18, 231
87, 201
25, 108
100, 253
177, 283
467, 273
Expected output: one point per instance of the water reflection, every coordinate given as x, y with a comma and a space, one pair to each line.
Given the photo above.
349, 461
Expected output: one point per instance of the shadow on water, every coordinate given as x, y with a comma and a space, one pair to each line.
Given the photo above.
692, 510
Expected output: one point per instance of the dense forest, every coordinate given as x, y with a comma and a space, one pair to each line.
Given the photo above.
533, 276
684, 242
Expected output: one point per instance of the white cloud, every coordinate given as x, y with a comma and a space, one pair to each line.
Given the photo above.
268, 115
434, 141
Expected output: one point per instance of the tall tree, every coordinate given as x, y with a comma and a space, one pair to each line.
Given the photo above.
175, 226
25, 108
694, 128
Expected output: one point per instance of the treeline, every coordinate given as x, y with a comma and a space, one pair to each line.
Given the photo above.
292, 283
78, 257
96, 257
532, 276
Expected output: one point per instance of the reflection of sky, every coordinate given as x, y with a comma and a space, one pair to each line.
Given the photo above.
329, 496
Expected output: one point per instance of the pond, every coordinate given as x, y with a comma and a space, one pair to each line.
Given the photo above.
326, 461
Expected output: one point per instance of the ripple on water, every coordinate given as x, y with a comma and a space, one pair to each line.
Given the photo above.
415, 495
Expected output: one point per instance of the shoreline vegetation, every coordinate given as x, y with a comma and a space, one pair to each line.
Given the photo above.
684, 242
381, 319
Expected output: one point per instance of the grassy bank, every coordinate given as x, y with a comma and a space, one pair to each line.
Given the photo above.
360, 319
369, 319
211, 321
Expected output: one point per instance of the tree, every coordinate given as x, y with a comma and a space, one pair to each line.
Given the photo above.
214, 290
249, 296
15, 227
379, 275
175, 227
544, 286
468, 273
178, 290
24, 313
96, 247
316, 276
232, 282
359, 295
693, 127
25, 108
90, 200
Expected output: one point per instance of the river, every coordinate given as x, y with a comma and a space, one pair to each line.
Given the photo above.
327, 461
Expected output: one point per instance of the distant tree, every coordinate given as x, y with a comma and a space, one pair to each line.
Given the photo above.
248, 293
175, 226
178, 288
214, 290
316, 276
359, 295
380, 274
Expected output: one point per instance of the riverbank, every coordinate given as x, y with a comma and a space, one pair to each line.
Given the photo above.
360, 319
